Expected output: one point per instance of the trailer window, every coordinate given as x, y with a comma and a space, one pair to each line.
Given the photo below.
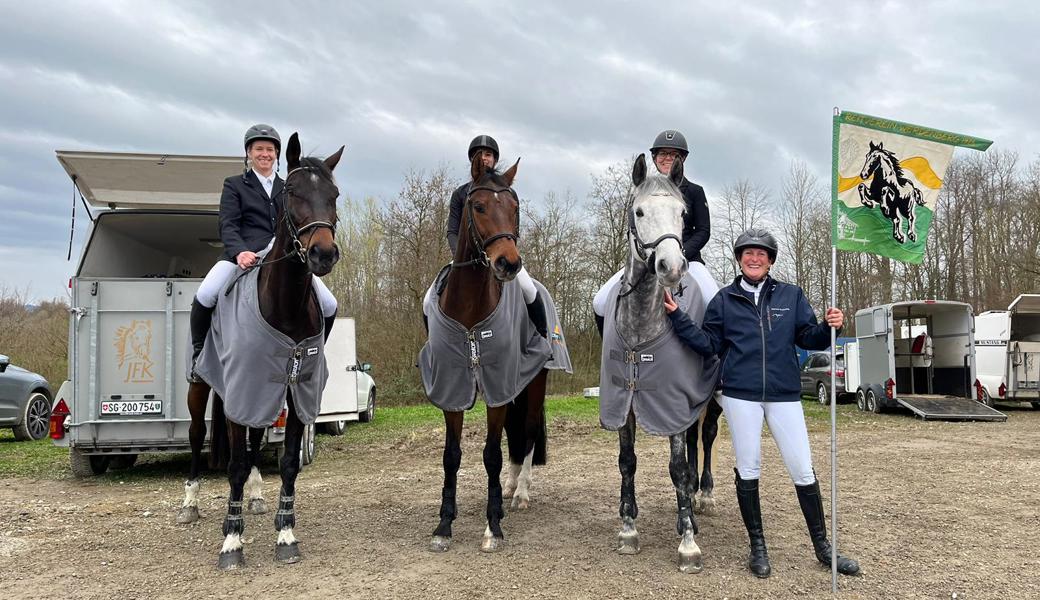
880, 322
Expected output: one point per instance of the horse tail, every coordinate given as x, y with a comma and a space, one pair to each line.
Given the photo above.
918, 197
219, 447
525, 423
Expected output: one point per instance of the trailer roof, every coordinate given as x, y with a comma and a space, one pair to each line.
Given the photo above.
912, 309
1026, 303
126, 180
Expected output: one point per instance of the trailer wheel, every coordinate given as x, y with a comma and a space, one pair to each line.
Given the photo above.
123, 461
986, 399
84, 465
1036, 405
872, 402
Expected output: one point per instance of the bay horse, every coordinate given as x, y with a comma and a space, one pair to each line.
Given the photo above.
486, 257
304, 246
890, 189
636, 316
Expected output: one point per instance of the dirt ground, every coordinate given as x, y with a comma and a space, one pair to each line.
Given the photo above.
930, 509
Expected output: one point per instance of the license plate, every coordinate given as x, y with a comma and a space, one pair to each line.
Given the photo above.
131, 407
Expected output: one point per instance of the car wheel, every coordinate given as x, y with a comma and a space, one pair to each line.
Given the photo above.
36, 418
861, 399
123, 461
84, 465
335, 427
873, 404
370, 412
307, 446
821, 394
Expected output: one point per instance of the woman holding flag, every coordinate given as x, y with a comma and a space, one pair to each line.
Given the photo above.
753, 324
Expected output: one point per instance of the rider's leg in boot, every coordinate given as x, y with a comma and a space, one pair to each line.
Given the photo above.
599, 324
199, 322
329, 322
751, 512
536, 312
812, 507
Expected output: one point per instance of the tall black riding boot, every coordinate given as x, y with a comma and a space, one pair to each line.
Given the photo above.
536, 312
199, 323
812, 507
329, 322
751, 512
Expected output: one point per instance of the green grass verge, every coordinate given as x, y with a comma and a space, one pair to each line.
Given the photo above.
42, 459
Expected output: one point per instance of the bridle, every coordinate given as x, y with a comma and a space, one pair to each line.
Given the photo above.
641, 248
294, 231
481, 244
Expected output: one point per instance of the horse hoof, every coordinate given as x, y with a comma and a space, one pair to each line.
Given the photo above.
628, 543
507, 492
705, 505
257, 506
690, 563
439, 543
521, 503
492, 544
187, 515
287, 554
229, 561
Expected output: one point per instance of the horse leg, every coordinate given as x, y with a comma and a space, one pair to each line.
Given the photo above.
493, 536
705, 502
897, 227
255, 483
864, 195
231, 556
534, 440
692, 436
451, 461
198, 397
679, 469
911, 220
628, 537
286, 549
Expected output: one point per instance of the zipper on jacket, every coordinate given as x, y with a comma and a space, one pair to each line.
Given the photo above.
762, 331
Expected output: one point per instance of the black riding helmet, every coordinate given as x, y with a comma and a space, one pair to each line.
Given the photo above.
261, 131
483, 142
672, 139
756, 238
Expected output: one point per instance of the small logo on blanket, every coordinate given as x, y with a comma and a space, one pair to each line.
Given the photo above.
312, 351
486, 334
646, 358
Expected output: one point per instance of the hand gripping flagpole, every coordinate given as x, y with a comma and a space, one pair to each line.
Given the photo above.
834, 389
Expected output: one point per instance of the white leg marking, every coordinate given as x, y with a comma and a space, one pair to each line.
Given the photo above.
255, 484
232, 542
191, 494
522, 497
511, 481
286, 537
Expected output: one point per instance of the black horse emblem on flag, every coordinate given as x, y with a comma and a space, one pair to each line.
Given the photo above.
885, 185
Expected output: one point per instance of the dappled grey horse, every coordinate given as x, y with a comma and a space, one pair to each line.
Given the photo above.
647, 375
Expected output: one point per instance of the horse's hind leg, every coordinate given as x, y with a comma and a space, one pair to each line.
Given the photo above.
287, 549
628, 537
255, 483
451, 461
198, 397
231, 556
534, 437
679, 469
705, 499
911, 220
493, 536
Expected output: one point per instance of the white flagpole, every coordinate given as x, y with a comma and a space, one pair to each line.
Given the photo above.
834, 416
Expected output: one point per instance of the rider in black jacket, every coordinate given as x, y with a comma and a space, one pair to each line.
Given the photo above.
669, 146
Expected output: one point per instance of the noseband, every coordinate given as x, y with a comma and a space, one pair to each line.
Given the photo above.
480, 243
294, 231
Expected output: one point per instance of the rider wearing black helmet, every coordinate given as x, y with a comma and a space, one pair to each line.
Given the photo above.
754, 324
249, 206
669, 146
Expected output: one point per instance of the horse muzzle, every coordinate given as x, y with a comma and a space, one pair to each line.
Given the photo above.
506, 270
321, 260
669, 270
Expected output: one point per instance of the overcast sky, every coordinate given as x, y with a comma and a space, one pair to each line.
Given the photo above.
407, 84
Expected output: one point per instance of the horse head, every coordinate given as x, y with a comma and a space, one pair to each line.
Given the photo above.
492, 218
309, 211
876, 153
655, 213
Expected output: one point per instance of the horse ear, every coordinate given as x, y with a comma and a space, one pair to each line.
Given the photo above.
676, 174
292, 151
510, 174
881, 145
639, 170
476, 167
333, 160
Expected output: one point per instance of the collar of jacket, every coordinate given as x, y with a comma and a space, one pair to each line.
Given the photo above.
249, 178
768, 285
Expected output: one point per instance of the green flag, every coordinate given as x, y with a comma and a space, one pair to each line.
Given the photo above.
885, 181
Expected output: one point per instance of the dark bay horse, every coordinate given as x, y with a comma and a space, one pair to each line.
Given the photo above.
487, 256
656, 262
304, 246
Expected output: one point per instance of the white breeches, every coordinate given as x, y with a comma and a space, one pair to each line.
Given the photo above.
522, 277
786, 423
705, 282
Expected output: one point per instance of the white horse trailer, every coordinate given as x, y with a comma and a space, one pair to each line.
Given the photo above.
919, 355
154, 235
1007, 350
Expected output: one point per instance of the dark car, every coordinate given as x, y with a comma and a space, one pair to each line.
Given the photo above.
816, 376
25, 401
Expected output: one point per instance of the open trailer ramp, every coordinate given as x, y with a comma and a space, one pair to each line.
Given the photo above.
949, 408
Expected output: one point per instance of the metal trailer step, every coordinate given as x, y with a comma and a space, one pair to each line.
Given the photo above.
950, 408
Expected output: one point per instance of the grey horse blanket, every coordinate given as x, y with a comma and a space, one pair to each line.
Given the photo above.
498, 357
251, 365
665, 383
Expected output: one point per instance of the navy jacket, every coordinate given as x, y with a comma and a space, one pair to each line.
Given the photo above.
756, 343
697, 223
247, 215
458, 201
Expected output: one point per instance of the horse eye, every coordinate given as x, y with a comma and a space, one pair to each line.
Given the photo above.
639, 212
479, 208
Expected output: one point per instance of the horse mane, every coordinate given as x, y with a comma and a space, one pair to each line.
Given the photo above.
655, 182
492, 175
894, 161
318, 164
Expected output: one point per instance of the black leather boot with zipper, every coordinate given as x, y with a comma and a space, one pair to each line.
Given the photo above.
751, 512
812, 508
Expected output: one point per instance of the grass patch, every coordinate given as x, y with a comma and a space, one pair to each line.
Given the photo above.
31, 459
